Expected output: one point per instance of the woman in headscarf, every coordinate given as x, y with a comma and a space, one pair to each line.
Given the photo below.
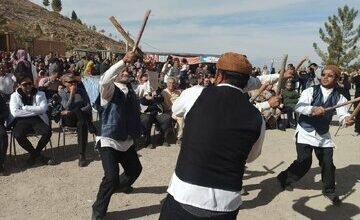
23, 66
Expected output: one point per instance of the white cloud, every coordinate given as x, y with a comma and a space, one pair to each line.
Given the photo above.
261, 29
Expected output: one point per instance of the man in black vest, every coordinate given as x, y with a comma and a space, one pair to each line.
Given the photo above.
120, 125
222, 132
312, 132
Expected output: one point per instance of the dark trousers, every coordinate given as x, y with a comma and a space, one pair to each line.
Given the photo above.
303, 163
289, 111
163, 120
29, 125
111, 181
3, 144
174, 210
79, 119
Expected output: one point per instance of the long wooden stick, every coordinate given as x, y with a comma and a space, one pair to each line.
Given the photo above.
281, 77
122, 31
147, 14
258, 92
343, 104
300, 64
355, 112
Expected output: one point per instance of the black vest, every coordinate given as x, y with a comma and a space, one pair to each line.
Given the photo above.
320, 124
220, 130
121, 116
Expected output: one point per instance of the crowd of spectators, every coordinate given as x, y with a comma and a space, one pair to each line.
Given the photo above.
37, 90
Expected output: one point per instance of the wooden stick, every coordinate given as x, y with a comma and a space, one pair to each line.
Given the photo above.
282, 71
355, 112
272, 169
258, 92
343, 104
147, 14
122, 31
300, 64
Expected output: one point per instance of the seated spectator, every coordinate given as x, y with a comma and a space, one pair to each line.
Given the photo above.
50, 84
170, 94
4, 112
151, 112
77, 112
28, 115
271, 117
290, 97
7, 81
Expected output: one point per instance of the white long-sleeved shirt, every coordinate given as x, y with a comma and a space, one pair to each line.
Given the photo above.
205, 197
304, 107
107, 88
19, 110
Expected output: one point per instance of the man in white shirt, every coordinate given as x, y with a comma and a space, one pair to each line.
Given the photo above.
28, 108
207, 180
312, 132
120, 125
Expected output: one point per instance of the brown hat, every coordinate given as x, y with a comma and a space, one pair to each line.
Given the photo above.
333, 68
234, 62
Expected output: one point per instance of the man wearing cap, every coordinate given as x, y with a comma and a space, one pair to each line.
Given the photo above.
312, 132
223, 131
50, 84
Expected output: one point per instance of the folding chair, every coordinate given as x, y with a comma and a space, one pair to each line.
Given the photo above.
13, 143
66, 130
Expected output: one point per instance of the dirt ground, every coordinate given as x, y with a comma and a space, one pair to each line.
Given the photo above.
66, 191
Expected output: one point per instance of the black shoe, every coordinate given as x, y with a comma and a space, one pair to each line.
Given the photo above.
125, 189
333, 198
3, 171
45, 160
283, 184
32, 160
82, 161
91, 128
150, 146
178, 142
281, 127
95, 216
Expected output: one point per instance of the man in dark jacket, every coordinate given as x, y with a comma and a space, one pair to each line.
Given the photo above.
222, 132
77, 112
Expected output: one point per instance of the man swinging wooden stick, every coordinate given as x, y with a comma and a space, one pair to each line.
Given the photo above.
120, 126
312, 132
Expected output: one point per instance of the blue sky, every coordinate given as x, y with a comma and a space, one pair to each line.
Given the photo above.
261, 29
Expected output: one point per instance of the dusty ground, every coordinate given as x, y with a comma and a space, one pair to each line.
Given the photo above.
66, 191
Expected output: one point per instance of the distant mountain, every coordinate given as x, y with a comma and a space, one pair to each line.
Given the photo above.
34, 20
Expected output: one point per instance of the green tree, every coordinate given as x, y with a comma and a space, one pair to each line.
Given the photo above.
341, 38
74, 16
93, 28
46, 3
56, 5
102, 31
